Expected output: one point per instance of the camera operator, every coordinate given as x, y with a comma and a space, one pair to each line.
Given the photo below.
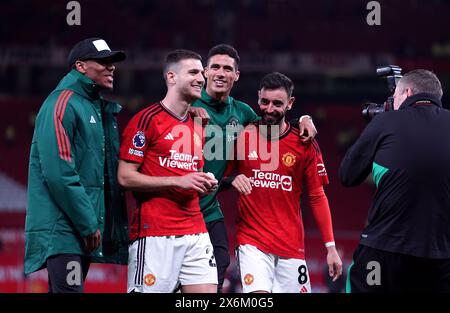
408, 230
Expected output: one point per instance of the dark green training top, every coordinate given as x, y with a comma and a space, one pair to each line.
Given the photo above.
227, 119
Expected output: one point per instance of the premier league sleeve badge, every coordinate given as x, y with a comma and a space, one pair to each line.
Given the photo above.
139, 140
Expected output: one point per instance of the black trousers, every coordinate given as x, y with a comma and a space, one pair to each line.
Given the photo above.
219, 239
67, 273
377, 271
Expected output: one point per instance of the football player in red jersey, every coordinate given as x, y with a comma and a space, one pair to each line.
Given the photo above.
275, 168
161, 161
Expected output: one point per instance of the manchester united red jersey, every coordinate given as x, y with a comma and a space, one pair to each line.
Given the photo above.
280, 169
164, 145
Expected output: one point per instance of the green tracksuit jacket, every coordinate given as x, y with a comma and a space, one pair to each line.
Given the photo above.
72, 182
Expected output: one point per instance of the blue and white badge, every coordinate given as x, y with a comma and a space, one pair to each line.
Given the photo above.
139, 140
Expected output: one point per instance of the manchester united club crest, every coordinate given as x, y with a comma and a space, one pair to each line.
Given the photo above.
288, 159
149, 279
233, 122
139, 140
248, 279
232, 129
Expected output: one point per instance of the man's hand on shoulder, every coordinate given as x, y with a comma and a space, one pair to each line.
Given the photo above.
200, 113
307, 129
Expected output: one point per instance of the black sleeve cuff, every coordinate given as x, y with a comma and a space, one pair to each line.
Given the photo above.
226, 182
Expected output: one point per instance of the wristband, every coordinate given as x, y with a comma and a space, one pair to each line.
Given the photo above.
330, 244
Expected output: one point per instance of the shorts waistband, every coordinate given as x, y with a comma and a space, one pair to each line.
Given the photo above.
179, 236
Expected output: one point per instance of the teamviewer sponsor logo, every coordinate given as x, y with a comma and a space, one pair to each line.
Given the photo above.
271, 180
179, 160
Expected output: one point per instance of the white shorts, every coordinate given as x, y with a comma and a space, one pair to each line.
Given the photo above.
271, 273
161, 263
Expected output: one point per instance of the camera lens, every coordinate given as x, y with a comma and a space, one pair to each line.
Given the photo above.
372, 109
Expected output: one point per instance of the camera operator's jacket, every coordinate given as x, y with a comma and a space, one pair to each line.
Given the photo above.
408, 152
70, 192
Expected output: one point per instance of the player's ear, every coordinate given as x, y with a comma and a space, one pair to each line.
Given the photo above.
237, 76
290, 103
170, 77
409, 92
80, 66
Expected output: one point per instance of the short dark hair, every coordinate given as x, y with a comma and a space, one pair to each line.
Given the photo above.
224, 49
277, 80
178, 55
421, 80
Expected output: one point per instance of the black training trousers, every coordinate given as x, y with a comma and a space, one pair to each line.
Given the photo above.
219, 239
67, 272
378, 271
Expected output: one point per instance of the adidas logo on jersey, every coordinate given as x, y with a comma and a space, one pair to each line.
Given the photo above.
92, 121
253, 155
169, 137
304, 289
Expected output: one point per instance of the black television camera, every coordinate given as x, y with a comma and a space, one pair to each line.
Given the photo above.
392, 73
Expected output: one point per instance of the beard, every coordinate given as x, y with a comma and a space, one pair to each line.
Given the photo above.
273, 119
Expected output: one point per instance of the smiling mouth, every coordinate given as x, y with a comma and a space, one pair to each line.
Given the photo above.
219, 83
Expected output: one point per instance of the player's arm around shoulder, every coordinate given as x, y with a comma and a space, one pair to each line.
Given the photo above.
200, 113
305, 128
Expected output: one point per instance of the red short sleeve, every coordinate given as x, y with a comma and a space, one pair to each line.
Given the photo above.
135, 141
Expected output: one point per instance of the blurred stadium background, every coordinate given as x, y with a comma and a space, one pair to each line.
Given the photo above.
325, 46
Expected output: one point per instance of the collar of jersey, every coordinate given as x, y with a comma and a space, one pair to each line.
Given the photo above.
282, 135
213, 102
